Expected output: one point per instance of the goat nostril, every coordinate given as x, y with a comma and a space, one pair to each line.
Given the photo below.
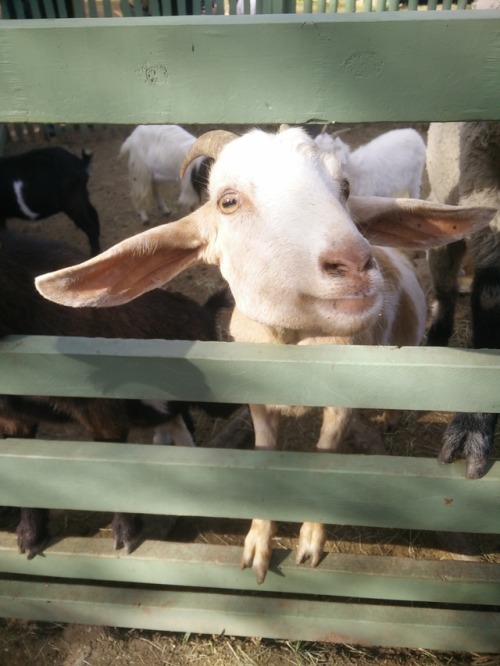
336, 269
348, 265
370, 264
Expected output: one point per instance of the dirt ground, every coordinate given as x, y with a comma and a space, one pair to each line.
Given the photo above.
23, 643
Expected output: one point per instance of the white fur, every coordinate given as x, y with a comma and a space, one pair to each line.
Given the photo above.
240, 7
260, 246
392, 164
155, 154
23, 206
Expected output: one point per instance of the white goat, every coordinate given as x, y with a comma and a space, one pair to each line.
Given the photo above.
281, 227
240, 7
155, 154
390, 165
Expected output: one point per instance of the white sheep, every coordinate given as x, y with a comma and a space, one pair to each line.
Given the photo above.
463, 163
390, 165
280, 224
155, 154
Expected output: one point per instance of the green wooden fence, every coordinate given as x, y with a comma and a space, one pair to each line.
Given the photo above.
254, 69
21, 9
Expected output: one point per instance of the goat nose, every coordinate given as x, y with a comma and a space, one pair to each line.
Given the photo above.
347, 262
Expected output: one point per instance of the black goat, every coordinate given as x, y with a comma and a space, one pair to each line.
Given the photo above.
157, 315
46, 181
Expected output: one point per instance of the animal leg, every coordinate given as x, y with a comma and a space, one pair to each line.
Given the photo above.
79, 209
160, 202
444, 265
32, 532
107, 422
257, 550
469, 436
312, 536
127, 531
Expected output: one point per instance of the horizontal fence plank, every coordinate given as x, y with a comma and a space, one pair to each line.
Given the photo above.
436, 379
382, 491
218, 567
237, 614
359, 67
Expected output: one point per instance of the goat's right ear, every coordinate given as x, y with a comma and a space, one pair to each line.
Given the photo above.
128, 269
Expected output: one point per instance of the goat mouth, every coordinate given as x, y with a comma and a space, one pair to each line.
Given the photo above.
355, 304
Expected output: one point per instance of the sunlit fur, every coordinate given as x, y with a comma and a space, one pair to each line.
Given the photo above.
291, 215
392, 164
155, 154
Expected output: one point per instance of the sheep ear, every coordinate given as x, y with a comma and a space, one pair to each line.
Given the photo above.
128, 269
411, 223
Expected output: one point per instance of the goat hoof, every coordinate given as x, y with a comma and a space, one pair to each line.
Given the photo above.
476, 468
447, 455
29, 548
256, 560
258, 550
32, 532
260, 568
311, 543
127, 530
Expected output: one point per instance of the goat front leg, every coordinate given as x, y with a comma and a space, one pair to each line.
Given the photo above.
107, 421
444, 266
160, 202
127, 531
32, 532
312, 536
469, 436
257, 550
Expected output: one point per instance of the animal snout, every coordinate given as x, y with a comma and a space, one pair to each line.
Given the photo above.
345, 264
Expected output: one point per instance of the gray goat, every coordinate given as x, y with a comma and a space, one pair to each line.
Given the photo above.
463, 163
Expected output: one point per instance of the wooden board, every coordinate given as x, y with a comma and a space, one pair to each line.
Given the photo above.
382, 491
239, 614
252, 69
420, 378
200, 566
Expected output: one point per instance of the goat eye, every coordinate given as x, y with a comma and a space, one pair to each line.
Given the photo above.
229, 202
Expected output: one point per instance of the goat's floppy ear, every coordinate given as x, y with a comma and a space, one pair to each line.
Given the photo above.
411, 223
128, 269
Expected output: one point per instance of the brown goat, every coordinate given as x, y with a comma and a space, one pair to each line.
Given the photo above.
156, 315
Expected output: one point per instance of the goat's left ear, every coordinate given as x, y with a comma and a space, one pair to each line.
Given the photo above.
411, 223
128, 269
